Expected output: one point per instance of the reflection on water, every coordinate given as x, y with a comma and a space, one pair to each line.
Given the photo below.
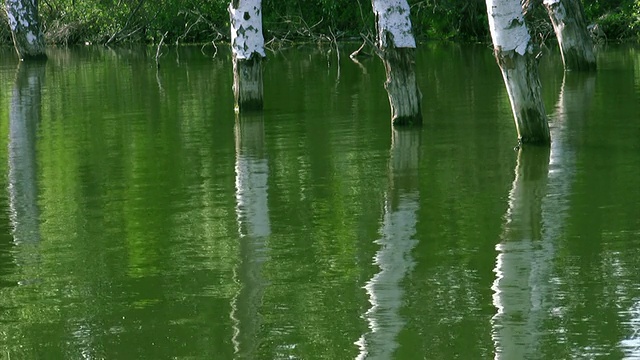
523, 262
24, 118
252, 172
147, 222
385, 290
631, 344
528, 291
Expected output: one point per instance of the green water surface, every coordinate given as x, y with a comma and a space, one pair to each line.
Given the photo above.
141, 219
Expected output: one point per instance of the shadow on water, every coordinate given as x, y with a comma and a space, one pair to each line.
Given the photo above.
252, 210
526, 289
397, 231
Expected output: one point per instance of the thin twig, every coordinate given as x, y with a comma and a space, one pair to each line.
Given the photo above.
158, 54
367, 39
357, 52
335, 42
213, 43
126, 24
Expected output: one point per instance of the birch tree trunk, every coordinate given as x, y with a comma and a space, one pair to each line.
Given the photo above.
514, 53
576, 47
396, 46
247, 46
25, 28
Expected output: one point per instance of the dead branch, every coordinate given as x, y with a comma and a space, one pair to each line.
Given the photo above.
158, 54
126, 24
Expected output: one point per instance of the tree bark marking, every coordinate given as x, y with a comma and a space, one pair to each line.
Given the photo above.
393, 23
506, 17
514, 54
23, 21
246, 29
569, 25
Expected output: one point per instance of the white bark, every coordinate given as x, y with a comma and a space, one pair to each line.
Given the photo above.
25, 28
570, 27
246, 29
395, 48
508, 30
247, 46
393, 21
514, 54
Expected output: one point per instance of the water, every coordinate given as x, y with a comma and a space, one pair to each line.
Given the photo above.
140, 219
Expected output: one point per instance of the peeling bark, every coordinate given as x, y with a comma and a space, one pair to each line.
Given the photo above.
24, 23
570, 27
396, 46
514, 53
247, 45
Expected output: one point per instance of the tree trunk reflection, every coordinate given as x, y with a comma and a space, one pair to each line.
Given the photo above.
24, 117
396, 242
535, 222
252, 211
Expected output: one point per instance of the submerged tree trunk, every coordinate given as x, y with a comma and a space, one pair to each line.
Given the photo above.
576, 47
514, 53
247, 45
25, 28
396, 47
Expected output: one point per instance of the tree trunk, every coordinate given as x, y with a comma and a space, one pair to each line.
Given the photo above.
25, 28
247, 45
576, 47
514, 53
396, 44
247, 83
